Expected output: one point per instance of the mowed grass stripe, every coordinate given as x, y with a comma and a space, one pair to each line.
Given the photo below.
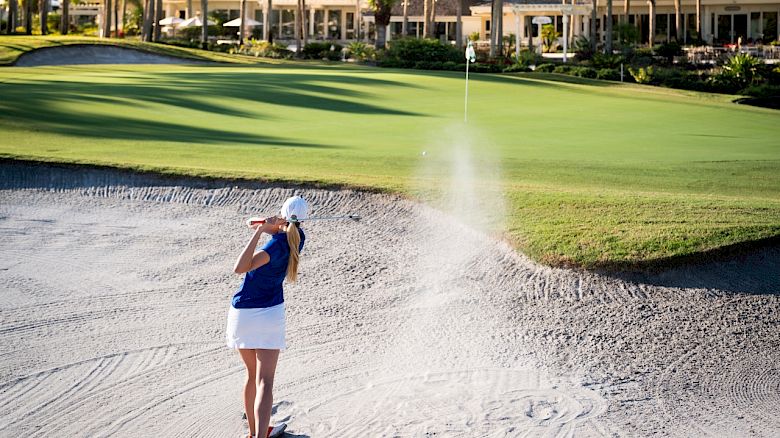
595, 173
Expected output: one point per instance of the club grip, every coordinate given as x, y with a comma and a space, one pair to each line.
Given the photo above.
254, 221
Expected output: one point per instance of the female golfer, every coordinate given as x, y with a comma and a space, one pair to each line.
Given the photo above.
256, 321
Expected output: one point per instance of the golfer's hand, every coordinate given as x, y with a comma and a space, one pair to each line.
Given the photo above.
271, 225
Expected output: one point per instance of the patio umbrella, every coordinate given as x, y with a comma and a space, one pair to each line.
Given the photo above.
171, 21
237, 23
195, 22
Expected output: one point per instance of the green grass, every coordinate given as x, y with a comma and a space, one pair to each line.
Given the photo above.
594, 174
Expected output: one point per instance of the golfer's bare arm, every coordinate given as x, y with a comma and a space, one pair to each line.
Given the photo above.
248, 260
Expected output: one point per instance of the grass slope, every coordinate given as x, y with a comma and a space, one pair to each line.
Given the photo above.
594, 174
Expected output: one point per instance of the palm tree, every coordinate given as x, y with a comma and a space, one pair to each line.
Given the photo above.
65, 17
158, 15
146, 32
28, 13
13, 11
204, 17
497, 28
626, 6
304, 23
698, 19
242, 17
593, 15
297, 31
43, 14
405, 22
459, 23
608, 47
427, 31
677, 19
267, 20
651, 5
106, 31
382, 13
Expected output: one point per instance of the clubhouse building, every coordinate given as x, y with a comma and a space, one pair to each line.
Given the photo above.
722, 22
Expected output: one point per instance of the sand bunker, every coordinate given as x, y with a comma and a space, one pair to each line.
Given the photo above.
93, 54
115, 289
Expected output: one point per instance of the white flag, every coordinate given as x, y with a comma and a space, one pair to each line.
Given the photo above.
470, 55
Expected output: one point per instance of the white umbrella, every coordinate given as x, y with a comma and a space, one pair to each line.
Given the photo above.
194, 22
170, 21
237, 23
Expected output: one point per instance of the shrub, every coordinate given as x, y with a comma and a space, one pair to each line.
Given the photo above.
608, 74
626, 34
428, 65
642, 75
584, 72
743, 68
361, 51
549, 38
517, 67
545, 68
480, 67
562, 69
528, 58
453, 66
263, 49
583, 50
669, 50
474, 36
408, 51
606, 60
322, 50
762, 90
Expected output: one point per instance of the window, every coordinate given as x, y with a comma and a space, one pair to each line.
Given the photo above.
396, 28
673, 26
350, 24
452, 30
770, 26
690, 28
288, 23
411, 28
661, 26
334, 24
319, 23
724, 29
257, 31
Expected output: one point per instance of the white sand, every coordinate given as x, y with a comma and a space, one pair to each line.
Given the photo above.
115, 289
75, 54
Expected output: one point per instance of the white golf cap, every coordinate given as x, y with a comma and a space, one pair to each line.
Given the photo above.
295, 209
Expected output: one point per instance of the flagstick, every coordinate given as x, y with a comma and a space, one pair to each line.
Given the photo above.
466, 103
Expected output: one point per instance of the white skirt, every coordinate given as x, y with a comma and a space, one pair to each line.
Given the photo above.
256, 328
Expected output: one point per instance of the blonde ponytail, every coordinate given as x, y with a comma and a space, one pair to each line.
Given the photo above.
294, 241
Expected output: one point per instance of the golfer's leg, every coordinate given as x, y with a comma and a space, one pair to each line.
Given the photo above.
250, 386
266, 368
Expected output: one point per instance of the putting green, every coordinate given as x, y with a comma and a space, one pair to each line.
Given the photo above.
594, 173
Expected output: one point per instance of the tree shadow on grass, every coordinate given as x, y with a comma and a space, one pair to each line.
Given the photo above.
48, 104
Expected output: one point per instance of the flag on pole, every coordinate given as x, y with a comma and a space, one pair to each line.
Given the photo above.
470, 55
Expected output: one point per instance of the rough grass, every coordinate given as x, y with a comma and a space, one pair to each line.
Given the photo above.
594, 174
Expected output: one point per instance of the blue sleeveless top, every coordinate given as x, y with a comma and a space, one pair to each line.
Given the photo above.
262, 287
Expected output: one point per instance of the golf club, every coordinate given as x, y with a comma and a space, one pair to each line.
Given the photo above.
354, 217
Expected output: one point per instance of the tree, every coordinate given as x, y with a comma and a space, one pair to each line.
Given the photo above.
43, 14
382, 12
427, 31
626, 6
13, 14
608, 47
242, 18
677, 19
593, 15
28, 14
105, 32
204, 16
651, 5
146, 26
459, 24
405, 22
65, 17
496, 28
267, 21
698, 20
158, 15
